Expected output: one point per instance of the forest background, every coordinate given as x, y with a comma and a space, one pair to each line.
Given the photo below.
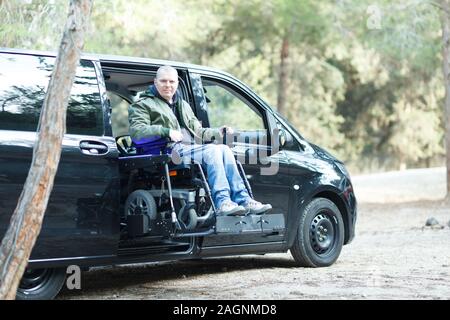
361, 78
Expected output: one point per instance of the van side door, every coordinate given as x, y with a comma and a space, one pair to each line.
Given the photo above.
81, 221
223, 101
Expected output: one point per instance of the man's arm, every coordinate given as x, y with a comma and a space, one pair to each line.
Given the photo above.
141, 123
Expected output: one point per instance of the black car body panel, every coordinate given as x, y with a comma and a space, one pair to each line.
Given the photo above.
82, 221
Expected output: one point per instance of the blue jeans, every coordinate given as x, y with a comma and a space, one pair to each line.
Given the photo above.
222, 172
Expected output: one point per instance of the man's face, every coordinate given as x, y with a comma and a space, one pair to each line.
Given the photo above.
167, 84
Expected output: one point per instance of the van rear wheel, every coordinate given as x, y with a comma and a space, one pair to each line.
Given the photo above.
41, 284
320, 235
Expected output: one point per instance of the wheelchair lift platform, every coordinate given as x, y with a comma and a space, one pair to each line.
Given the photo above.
212, 223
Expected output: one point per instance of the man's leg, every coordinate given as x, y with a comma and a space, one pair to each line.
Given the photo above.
210, 156
239, 193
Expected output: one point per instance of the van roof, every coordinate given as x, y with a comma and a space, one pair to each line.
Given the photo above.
117, 58
113, 59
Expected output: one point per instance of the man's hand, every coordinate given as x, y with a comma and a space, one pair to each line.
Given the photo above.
175, 135
225, 130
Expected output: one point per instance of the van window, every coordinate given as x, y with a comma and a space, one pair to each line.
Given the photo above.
23, 84
119, 114
226, 107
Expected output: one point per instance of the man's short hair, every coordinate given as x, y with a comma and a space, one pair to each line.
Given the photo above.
165, 69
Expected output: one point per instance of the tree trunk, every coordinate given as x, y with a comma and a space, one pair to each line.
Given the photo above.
283, 80
26, 221
445, 21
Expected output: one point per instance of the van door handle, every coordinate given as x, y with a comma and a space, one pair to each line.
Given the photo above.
93, 147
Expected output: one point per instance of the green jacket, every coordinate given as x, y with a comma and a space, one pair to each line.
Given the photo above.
151, 116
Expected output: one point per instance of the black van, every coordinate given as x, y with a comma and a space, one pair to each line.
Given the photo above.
111, 206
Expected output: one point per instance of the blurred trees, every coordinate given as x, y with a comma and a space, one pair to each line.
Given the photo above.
34, 24
444, 7
395, 90
361, 78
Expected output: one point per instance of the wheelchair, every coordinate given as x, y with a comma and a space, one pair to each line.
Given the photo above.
165, 199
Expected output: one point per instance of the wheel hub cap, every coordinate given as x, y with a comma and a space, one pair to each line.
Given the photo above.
322, 233
138, 206
34, 279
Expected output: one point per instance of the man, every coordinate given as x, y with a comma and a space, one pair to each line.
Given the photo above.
161, 112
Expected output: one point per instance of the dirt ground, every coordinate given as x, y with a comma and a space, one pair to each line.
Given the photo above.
393, 256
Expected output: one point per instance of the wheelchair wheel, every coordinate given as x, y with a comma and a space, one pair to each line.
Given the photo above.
141, 202
188, 216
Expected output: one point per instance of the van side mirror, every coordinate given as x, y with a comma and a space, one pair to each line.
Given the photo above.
285, 138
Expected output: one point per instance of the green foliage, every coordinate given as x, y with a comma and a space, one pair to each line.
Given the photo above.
394, 96
364, 77
32, 24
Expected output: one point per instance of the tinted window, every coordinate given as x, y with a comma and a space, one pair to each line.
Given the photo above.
23, 84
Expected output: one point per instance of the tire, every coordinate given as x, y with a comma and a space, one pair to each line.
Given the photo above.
141, 202
41, 284
188, 216
320, 235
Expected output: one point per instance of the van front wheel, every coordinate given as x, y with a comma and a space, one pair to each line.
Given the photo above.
320, 234
41, 284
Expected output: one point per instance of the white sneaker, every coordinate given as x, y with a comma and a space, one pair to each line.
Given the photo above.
256, 207
230, 208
